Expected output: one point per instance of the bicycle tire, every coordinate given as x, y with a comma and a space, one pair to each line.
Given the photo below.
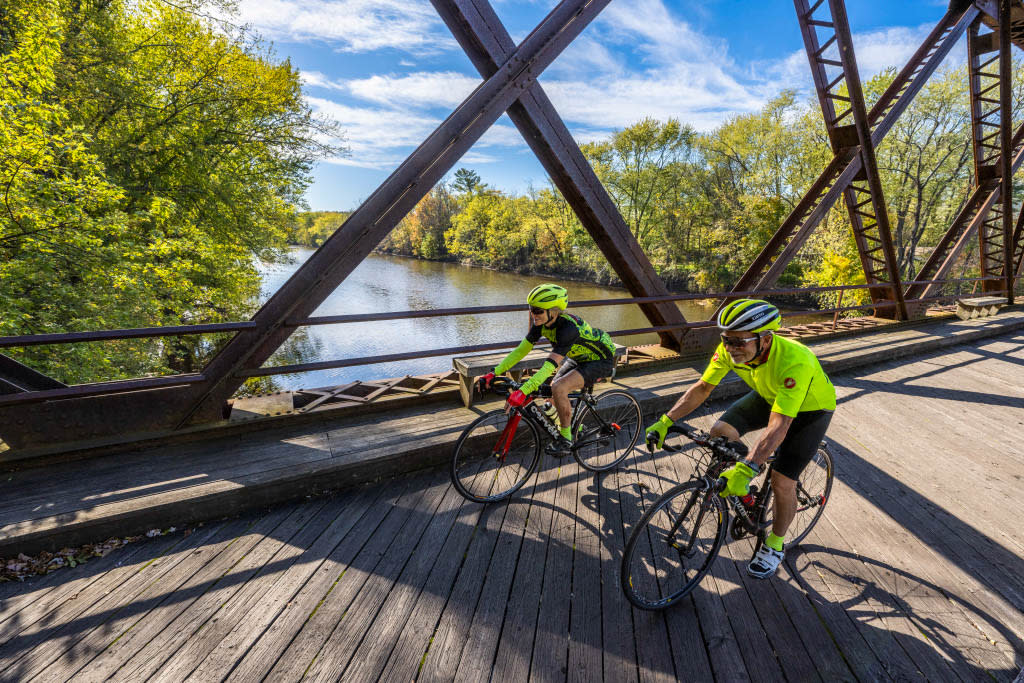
814, 487
619, 408
479, 473
655, 580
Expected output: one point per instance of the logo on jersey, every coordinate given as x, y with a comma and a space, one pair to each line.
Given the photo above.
715, 357
789, 383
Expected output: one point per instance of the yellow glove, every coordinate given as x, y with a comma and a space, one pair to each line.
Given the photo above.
656, 432
737, 479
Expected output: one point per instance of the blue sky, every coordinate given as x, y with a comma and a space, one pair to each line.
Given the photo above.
389, 71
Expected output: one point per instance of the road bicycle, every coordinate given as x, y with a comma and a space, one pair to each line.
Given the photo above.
499, 450
677, 539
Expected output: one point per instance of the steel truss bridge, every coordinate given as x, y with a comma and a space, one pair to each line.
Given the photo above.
40, 412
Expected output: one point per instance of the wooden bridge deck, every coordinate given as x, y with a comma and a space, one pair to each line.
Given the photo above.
916, 571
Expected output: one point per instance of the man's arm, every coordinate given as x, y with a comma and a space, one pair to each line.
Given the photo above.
771, 438
691, 400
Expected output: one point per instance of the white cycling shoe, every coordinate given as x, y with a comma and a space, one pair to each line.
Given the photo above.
766, 561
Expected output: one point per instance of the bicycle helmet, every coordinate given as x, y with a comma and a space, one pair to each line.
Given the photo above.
749, 315
548, 296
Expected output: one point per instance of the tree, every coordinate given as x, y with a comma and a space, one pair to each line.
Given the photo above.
151, 157
466, 181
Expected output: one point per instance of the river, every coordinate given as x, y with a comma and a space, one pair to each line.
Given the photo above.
394, 283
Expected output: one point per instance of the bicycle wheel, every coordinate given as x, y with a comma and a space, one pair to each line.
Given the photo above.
605, 438
673, 546
813, 489
494, 456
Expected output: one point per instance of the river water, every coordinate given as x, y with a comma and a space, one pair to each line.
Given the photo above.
394, 283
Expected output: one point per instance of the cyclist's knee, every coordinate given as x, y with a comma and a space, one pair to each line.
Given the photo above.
725, 429
782, 484
566, 383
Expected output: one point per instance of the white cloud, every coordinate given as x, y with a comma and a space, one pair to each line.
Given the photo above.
350, 25
421, 89
382, 138
639, 59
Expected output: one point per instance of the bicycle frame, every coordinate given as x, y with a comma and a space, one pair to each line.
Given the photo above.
532, 412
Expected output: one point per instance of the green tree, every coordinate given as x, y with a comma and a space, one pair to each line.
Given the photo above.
152, 156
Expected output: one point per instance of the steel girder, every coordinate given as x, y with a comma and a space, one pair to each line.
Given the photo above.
117, 415
865, 201
378, 215
984, 78
846, 165
967, 222
997, 156
483, 37
1006, 124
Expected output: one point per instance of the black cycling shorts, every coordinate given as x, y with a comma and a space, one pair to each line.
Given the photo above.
801, 443
591, 370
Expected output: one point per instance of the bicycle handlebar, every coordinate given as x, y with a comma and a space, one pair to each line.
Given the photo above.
503, 386
718, 444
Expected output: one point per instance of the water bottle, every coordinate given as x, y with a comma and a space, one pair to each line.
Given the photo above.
550, 410
748, 500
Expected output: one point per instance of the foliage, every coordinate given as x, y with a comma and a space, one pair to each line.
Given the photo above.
148, 158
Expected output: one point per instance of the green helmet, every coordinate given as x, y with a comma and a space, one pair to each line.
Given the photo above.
749, 315
548, 296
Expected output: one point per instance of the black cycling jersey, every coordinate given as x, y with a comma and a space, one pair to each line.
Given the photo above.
573, 337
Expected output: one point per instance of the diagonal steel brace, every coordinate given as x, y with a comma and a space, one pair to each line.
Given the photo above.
481, 34
846, 165
381, 212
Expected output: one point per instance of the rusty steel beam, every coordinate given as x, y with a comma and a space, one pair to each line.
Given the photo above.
17, 378
482, 36
984, 80
865, 201
964, 226
1018, 243
847, 164
1006, 126
379, 214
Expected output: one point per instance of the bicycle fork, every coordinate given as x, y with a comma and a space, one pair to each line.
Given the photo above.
500, 449
686, 549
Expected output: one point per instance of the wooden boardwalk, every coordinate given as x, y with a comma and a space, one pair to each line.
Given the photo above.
916, 570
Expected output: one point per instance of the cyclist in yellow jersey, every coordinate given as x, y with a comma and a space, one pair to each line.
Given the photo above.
791, 398
586, 354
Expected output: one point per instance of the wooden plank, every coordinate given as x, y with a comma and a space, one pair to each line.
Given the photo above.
130, 610
253, 614
150, 659
653, 646
551, 642
782, 645
292, 536
32, 624
505, 621
358, 618
495, 542
365, 549
35, 648
619, 661
54, 587
414, 607
585, 640
655, 475
124, 647
264, 653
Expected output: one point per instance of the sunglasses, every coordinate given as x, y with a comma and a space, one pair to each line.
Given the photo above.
736, 342
538, 311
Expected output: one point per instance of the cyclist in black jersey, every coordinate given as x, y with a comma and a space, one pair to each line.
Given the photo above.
588, 354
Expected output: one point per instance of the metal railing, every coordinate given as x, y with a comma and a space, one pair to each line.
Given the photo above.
83, 390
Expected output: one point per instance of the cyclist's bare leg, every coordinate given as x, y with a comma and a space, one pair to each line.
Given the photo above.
783, 504
725, 429
560, 390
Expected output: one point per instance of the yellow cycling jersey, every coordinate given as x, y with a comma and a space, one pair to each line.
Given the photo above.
791, 379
